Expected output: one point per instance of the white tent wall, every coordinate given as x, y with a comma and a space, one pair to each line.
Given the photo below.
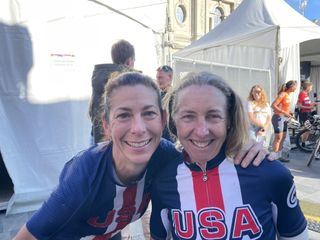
48, 51
240, 57
289, 68
234, 74
261, 34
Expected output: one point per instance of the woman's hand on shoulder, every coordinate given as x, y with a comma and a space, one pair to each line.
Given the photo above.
252, 152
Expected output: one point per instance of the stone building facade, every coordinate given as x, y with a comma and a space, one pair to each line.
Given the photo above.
188, 20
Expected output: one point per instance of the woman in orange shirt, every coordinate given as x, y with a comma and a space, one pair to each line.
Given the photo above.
281, 108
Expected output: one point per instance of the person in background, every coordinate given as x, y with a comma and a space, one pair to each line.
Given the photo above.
104, 188
123, 58
306, 107
203, 194
259, 113
164, 80
281, 115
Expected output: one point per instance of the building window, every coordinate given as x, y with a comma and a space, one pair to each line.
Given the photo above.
215, 17
180, 14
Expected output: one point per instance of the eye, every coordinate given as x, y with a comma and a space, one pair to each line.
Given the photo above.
123, 116
187, 117
215, 118
150, 114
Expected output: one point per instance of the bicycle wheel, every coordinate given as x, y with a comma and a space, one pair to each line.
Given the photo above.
310, 140
314, 152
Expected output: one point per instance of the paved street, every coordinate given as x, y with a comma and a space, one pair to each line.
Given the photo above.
308, 190
307, 181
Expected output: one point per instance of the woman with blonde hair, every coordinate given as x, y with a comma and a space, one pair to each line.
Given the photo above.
202, 194
259, 113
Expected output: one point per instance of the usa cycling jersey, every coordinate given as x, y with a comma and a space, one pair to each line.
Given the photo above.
225, 202
88, 200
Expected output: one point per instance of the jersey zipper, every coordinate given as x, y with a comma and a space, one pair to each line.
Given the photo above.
204, 171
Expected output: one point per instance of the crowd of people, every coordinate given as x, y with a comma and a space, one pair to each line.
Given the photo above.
260, 114
218, 184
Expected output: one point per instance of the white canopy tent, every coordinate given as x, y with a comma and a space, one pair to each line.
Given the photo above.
257, 44
48, 51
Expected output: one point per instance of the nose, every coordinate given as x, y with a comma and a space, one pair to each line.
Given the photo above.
138, 125
201, 128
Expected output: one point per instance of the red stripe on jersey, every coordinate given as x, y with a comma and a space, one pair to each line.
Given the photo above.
144, 203
208, 193
125, 214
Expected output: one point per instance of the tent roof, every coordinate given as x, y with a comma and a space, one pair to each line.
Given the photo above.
256, 23
150, 13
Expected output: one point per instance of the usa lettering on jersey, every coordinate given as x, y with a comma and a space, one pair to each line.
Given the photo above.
212, 224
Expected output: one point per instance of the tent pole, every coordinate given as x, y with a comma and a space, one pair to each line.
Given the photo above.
278, 60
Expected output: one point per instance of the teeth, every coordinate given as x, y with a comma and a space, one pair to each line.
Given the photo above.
138, 144
201, 144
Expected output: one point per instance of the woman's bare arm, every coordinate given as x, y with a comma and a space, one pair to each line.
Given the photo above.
24, 234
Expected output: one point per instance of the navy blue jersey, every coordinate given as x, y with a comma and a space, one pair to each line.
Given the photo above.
88, 200
225, 202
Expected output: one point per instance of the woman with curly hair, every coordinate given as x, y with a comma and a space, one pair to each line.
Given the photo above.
259, 113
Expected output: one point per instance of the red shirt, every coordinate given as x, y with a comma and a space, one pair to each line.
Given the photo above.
304, 100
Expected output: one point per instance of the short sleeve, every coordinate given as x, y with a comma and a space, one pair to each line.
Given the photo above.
159, 222
64, 200
250, 106
290, 220
279, 99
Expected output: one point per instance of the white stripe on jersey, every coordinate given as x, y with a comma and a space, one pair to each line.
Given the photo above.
229, 184
187, 202
118, 205
231, 190
119, 200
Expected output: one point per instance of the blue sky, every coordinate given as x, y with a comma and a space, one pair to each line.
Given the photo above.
312, 11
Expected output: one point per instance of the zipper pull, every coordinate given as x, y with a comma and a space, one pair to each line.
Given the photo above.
204, 171
204, 177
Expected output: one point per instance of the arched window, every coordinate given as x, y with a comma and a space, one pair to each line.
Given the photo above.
216, 15
180, 13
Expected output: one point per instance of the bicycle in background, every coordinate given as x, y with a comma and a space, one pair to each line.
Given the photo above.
307, 140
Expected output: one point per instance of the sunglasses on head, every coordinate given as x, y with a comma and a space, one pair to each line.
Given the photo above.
165, 68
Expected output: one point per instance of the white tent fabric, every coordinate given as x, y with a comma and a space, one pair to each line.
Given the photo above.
151, 13
259, 34
48, 51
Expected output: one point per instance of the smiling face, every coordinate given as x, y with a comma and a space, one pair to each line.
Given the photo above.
201, 121
135, 124
256, 93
